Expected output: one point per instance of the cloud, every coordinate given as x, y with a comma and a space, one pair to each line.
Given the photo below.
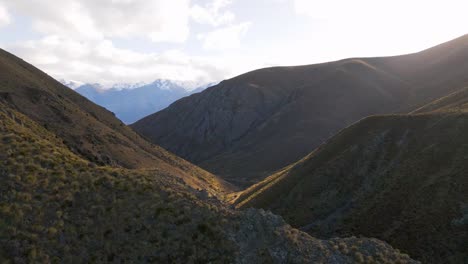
224, 38
157, 20
211, 13
226, 35
100, 61
415, 11
369, 27
76, 39
4, 16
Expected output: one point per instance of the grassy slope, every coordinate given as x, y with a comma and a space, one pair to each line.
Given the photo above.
87, 129
452, 103
56, 207
247, 127
400, 178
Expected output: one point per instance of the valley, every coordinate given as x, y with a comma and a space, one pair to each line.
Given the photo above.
78, 186
250, 126
361, 160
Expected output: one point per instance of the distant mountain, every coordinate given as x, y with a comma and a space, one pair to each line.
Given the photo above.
245, 128
400, 178
71, 84
133, 101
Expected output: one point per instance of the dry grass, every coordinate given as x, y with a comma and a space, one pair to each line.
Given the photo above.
399, 178
88, 130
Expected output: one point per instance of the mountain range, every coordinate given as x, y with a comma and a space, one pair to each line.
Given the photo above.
368, 146
79, 186
400, 178
361, 160
250, 126
133, 101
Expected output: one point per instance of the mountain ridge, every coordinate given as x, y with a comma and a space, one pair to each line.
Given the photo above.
400, 178
89, 130
241, 128
62, 205
134, 101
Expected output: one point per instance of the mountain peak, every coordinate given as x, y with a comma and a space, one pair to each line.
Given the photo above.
71, 83
134, 101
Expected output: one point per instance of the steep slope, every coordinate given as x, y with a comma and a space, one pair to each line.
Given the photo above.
132, 104
56, 207
247, 127
87, 129
399, 178
452, 103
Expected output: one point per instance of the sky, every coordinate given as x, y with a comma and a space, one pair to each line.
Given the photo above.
116, 41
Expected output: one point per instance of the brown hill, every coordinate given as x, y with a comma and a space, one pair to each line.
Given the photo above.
87, 129
250, 126
456, 102
399, 178
57, 207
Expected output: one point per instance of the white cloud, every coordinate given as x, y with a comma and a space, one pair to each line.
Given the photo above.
158, 20
100, 61
380, 10
76, 39
224, 38
211, 13
4, 16
369, 27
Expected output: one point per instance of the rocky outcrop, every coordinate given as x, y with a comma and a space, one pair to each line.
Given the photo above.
263, 237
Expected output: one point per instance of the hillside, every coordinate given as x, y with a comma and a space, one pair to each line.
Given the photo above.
88, 130
248, 127
456, 102
138, 101
400, 178
58, 207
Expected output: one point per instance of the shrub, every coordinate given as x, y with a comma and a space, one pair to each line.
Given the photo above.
359, 257
52, 231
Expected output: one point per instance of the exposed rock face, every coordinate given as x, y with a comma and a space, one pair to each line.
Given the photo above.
263, 237
248, 127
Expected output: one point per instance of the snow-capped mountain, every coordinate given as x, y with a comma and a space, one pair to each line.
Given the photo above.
133, 101
194, 85
72, 84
